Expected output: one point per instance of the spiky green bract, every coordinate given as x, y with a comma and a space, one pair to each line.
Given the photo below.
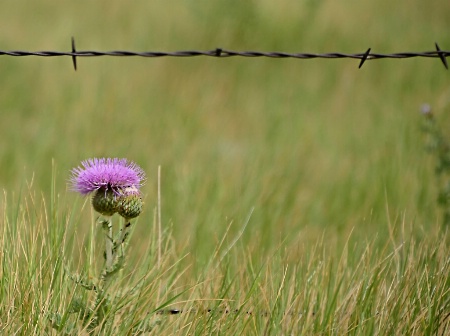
128, 203
105, 202
130, 206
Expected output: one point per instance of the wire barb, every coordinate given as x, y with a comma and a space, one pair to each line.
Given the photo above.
74, 57
364, 58
441, 55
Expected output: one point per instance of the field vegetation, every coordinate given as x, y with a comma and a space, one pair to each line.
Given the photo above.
296, 196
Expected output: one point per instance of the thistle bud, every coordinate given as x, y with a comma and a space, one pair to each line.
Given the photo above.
105, 202
130, 203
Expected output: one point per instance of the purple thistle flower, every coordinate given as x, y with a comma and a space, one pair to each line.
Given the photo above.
117, 175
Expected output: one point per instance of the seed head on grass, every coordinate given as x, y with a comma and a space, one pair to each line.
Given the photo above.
115, 182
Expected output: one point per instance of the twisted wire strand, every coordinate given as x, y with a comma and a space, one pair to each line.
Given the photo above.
222, 53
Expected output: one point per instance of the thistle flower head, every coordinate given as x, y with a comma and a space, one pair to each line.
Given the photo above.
106, 174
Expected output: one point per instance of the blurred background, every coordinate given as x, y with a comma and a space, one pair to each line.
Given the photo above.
317, 148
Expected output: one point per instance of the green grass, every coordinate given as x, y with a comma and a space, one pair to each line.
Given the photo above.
384, 287
298, 190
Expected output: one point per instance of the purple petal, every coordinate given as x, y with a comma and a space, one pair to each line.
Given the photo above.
106, 173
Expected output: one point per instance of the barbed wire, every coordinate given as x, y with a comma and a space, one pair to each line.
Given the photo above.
223, 53
225, 311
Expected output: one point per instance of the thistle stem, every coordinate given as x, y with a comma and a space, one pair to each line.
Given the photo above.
123, 235
107, 227
125, 232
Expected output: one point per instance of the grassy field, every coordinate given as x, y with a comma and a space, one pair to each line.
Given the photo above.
296, 194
